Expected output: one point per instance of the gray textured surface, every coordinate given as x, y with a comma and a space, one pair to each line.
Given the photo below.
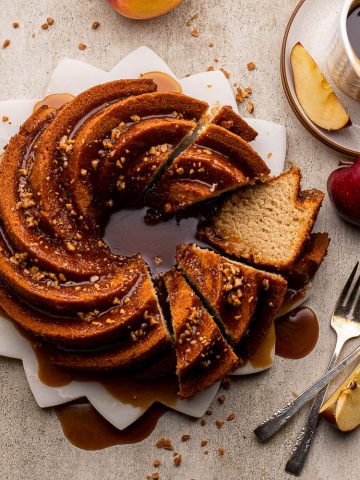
32, 443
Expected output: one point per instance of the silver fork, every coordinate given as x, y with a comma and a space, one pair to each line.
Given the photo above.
346, 323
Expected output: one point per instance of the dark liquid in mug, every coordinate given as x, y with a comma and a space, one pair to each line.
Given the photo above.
353, 28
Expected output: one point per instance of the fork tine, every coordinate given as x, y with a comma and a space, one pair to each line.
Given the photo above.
346, 288
353, 295
357, 311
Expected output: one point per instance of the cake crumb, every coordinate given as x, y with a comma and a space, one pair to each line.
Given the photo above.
251, 66
6, 43
203, 422
191, 19
157, 260
221, 451
211, 45
230, 417
221, 399
203, 443
209, 86
95, 25
5, 118
16, 24
45, 26
210, 69
177, 460
155, 476
225, 72
209, 412
219, 423
50, 21
185, 438
195, 32
226, 383
157, 463
206, 452
250, 107
269, 155
82, 46
164, 443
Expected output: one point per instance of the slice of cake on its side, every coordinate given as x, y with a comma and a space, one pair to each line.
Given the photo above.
266, 224
217, 162
230, 120
243, 299
203, 355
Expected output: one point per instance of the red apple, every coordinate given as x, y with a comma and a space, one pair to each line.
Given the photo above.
143, 9
344, 192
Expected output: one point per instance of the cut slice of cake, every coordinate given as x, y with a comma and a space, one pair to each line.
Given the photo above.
243, 300
231, 121
266, 224
217, 162
203, 355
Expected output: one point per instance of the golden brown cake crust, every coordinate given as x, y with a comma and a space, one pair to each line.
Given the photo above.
231, 121
203, 355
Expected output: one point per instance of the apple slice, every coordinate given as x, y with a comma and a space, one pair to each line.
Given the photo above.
314, 92
342, 409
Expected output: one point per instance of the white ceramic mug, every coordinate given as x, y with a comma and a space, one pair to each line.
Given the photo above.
343, 63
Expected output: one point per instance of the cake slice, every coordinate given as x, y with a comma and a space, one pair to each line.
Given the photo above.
243, 300
218, 161
203, 355
231, 121
266, 224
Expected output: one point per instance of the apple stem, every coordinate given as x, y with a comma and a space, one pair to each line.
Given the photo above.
344, 163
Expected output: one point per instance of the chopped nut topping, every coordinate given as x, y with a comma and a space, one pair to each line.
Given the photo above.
219, 423
164, 443
157, 260
250, 107
83, 172
135, 118
70, 246
225, 72
94, 279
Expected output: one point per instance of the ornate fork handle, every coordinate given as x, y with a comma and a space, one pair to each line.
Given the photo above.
307, 433
268, 428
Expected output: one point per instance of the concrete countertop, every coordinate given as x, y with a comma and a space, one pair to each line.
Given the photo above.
31, 439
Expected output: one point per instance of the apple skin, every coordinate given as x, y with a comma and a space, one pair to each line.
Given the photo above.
344, 191
143, 9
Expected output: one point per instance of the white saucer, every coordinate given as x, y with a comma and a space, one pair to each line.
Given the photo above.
312, 24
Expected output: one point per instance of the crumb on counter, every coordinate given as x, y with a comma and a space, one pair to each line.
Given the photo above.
5, 118
191, 19
211, 45
251, 66
82, 46
16, 24
210, 69
195, 32
6, 43
221, 451
250, 107
95, 25
225, 72
50, 21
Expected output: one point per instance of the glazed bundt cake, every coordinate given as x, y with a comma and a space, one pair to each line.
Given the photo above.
121, 145
218, 161
266, 224
244, 300
203, 355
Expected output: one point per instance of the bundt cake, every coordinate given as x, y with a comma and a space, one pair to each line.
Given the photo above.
121, 145
218, 161
203, 355
266, 224
243, 300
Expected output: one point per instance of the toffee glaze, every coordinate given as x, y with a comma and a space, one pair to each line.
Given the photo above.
164, 82
297, 333
56, 100
85, 428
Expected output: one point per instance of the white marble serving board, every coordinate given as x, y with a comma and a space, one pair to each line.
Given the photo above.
73, 76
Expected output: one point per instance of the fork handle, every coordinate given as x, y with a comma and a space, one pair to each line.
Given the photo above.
298, 457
